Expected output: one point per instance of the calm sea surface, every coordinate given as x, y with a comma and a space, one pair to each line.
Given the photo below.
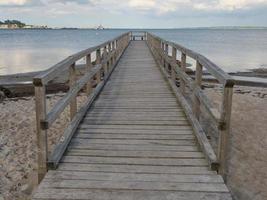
32, 50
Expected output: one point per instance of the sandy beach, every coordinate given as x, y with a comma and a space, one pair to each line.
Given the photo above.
247, 170
248, 138
18, 148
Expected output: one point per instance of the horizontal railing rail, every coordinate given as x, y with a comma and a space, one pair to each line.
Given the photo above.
107, 55
51, 73
138, 35
191, 95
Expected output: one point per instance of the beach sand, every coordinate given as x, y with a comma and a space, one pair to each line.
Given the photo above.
18, 144
247, 175
248, 143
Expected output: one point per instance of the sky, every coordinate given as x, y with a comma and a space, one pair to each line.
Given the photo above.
136, 13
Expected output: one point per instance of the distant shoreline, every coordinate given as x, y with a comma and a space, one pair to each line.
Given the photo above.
182, 28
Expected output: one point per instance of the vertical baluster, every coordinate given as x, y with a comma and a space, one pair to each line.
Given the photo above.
173, 70
116, 50
183, 67
88, 69
166, 66
72, 81
224, 130
113, 57
110, 59
105, 65
163, 51
98, 62
40, 103
198, 82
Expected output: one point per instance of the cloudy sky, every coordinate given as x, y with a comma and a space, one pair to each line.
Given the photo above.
136, 13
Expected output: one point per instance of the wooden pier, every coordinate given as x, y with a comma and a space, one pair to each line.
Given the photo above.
137, 137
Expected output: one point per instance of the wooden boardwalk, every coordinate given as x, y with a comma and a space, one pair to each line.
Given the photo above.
135, 143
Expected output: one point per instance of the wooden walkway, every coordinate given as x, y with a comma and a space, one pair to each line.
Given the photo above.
135, 143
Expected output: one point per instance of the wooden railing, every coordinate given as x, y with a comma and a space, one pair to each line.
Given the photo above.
175, 69
138, 35
107, 56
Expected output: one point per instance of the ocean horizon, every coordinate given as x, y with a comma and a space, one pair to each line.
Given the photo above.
231, 48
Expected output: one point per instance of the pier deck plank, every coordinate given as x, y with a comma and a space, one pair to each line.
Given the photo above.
135, 143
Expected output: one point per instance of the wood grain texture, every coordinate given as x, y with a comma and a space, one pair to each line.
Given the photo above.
134, 143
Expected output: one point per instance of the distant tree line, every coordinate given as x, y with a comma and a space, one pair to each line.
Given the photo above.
18, 23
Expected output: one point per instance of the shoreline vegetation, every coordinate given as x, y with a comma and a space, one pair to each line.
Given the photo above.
16, 24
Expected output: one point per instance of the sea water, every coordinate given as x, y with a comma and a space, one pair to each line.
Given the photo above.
32, 50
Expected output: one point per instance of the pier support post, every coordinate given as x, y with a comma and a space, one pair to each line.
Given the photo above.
72, 81
98, 61
173, 70
105, 65
183, 67
166, 64
198, 82
40, 104
88, 69
224, 131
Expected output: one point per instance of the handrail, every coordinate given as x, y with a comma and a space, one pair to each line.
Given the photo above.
216, 71
142, 35
176, 71
107, 56
51, 73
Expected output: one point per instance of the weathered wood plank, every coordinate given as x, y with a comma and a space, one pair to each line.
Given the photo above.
135, 161
123, 185
68, 133
134, 154
133, 143
41, 135
135, 122
81, 194
139, 169
136, 127
87, 142
99, 176
88, 135
133, 132
125, 147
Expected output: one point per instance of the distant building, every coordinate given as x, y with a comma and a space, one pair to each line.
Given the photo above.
3, 26
28, 26
9, 26
13, 26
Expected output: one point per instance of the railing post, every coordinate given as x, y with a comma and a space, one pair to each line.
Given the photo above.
167, 54
88, 69
173, 70
116, 50
110, 60
183, 67
224, 131
72, 81
98, 61
162, 50
198, 82
114, 56
109, 48
105, 64
40, 104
